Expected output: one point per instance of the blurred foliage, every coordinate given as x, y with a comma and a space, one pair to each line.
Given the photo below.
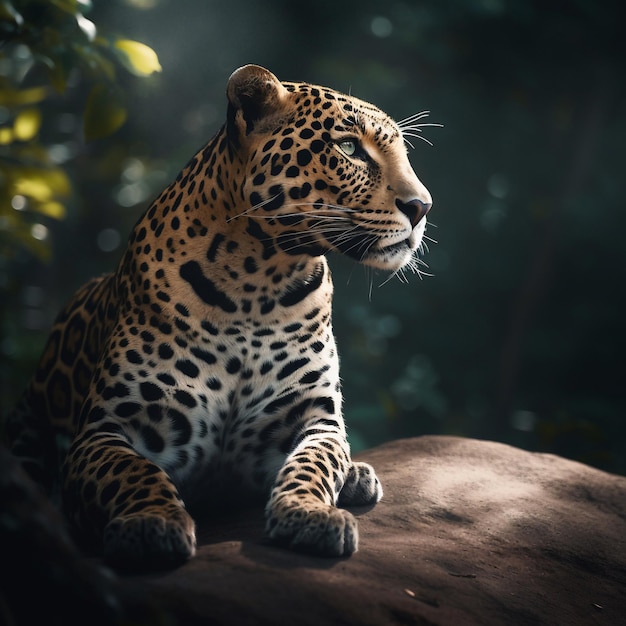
45, 44
518, 336
60, 87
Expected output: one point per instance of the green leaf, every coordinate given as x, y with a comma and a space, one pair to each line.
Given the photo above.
104, 112
16, 232
40, 249
58, 77
69, 6
137, 58
95, 62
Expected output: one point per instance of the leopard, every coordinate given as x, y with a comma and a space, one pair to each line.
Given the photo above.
206, 362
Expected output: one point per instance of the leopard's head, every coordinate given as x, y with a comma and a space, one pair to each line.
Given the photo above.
324, 171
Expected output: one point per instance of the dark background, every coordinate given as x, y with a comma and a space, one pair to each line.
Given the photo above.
519, 334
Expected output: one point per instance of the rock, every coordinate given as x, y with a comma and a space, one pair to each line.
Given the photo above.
469, 532
40, 563
44, 578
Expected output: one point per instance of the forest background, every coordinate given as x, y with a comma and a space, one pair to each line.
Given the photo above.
518, 335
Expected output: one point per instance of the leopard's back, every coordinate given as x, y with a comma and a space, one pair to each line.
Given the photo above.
47, 414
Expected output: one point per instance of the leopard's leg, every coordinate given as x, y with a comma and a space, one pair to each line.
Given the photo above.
301, 511
112, 490
361, 486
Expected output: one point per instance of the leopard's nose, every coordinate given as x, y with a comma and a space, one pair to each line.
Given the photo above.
414, 209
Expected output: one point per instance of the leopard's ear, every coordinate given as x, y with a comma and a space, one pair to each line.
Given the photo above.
254, 94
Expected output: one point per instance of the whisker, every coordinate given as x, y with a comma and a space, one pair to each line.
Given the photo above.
390, 277
417, 127
322, 204
252, 208
418, 137
343, 209
335, 224
344, 235
351, 273
413, 118
305, 216
409, 127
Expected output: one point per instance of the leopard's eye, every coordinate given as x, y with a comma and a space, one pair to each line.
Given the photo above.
348, 147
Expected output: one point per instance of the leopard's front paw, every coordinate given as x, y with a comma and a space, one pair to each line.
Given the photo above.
361, 486
323, 530
146, 541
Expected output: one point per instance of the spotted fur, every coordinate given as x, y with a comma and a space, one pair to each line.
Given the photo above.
207, 361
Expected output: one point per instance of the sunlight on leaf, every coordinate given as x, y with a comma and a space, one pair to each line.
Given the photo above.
58, 181
138, 58
27, 124
52, 209
42, 186
87, 26
6, 136
34, 188
22, 97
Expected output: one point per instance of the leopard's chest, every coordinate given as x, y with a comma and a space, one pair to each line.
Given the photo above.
228, 400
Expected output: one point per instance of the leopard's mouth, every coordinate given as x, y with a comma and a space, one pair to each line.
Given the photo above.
369, 248
400, 246
411, 242
391, 257
398, 254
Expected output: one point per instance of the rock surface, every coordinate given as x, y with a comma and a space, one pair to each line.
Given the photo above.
469, 532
